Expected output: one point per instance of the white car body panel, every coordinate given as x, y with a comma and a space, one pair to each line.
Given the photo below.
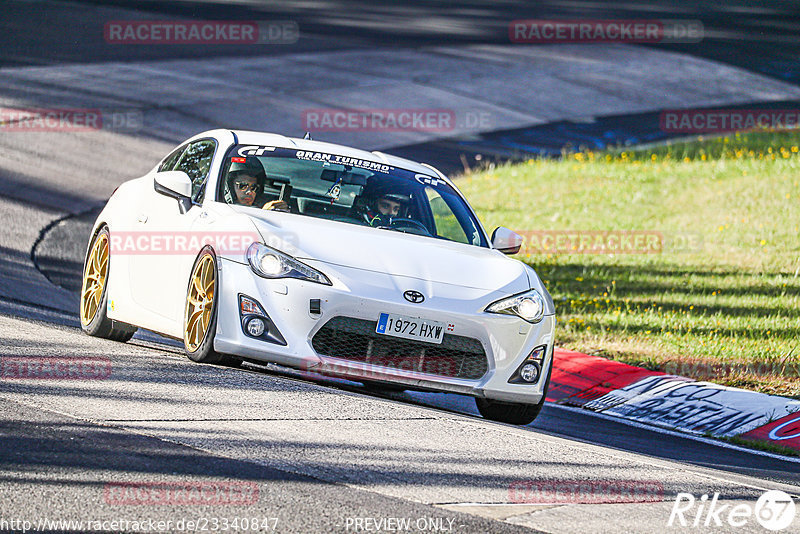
390, 252
369, 268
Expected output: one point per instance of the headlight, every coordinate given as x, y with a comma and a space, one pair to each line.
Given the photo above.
528, 306
271, 263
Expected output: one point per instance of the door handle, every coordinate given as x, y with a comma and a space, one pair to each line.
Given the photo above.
142, 218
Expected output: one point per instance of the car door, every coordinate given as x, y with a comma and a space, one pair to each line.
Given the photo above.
160, 270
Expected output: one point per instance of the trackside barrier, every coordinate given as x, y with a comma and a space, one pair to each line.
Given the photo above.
672, 401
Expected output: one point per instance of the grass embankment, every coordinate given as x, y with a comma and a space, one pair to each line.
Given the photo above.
727, 309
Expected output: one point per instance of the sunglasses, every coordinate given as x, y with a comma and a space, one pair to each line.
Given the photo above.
245, 186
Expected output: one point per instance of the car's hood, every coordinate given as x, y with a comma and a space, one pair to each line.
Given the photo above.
390, 252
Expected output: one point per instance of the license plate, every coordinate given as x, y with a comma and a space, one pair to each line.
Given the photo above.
403, 326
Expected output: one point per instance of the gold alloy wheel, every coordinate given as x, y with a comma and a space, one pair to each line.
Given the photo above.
94, 279
200, 303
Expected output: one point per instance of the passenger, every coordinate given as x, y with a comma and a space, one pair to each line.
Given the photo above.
246, 186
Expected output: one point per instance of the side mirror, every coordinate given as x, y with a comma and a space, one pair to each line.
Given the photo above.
175, 184
506, 241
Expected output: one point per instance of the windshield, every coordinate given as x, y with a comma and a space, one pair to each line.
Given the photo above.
345, 189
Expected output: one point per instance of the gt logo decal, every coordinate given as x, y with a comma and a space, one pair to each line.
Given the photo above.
255, 150
428, 180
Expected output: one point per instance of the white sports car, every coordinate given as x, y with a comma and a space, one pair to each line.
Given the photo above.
255, 246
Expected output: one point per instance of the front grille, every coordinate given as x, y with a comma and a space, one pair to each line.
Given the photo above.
356, 340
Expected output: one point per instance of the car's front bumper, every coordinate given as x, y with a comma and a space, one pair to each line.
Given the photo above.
506, 340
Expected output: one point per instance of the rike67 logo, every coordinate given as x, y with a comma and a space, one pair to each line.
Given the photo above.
774, 510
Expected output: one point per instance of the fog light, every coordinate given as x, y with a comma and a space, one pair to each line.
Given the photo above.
255, 327
529, 372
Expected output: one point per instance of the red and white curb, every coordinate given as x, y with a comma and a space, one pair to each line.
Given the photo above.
673, 402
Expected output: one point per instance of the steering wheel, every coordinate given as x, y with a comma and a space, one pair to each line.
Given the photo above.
409, 225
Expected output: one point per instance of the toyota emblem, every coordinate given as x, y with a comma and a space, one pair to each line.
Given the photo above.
414, 297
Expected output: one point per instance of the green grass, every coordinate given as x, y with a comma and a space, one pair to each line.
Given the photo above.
761, 445
726, 311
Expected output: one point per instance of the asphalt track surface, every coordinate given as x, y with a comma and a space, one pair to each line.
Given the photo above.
322, 453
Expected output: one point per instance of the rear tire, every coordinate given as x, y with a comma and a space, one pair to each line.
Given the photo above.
94, 293
200, 313
511, 412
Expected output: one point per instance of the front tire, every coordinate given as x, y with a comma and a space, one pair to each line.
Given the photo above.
94, 293
511, 412
200, 315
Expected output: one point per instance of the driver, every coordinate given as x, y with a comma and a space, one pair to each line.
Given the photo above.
245, 186
383, 205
